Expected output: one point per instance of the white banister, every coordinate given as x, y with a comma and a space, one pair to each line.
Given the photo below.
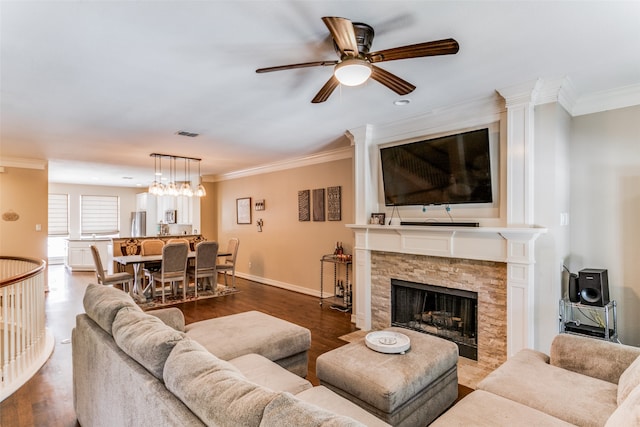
25, 342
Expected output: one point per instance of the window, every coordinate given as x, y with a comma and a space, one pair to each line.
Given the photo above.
99, 215
58, 215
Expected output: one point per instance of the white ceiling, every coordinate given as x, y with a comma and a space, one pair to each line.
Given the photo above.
96, 86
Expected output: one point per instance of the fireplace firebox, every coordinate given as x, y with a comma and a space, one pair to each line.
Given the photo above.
445, 312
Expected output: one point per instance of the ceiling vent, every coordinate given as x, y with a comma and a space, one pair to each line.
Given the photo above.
186, 133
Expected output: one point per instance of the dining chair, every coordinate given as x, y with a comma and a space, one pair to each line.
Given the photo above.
173, 269
125, 279
229, 264
205, 266
151, 247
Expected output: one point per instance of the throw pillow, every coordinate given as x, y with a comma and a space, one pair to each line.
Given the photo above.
145, 338
102, 303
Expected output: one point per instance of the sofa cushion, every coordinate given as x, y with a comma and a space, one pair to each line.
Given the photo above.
228, 336
600, 359
526, 378
332, 401
260, 370
482, 408
145, 338
286, 410
213, 389
629, 380
627, 414
102, 303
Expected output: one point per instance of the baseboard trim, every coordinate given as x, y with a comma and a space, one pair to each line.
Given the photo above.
279, 284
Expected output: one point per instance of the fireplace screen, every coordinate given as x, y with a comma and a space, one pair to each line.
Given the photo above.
446, 312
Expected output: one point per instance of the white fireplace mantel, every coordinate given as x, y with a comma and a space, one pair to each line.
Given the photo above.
511, 245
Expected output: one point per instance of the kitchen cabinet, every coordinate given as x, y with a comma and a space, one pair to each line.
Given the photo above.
79, 257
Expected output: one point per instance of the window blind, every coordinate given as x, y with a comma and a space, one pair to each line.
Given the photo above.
58, 215
99, 215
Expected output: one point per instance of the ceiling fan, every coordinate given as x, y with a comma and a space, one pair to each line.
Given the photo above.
356, 64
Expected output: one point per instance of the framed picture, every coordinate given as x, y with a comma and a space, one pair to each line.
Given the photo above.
318, 204
377, 218
243, 210
170, 216
334, 203
304, 213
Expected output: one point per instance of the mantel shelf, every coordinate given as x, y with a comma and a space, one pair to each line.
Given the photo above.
444, 229
504, 244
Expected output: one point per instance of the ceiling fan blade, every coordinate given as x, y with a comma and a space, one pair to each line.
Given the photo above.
343, 34
434, 48
326, 90
292, 66
393, 82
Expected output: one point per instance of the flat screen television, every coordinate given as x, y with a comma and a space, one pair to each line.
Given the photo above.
446, 170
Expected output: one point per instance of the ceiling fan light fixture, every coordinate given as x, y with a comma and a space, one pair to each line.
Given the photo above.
352, 71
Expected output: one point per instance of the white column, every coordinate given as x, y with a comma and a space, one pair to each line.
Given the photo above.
520, 290
520, 103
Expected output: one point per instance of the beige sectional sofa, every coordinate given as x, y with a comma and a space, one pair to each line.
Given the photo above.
143, 369
583, 382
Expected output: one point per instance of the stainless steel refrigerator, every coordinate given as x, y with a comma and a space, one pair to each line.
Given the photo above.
138, 224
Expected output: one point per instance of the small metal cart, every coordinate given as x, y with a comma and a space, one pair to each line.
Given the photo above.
341, 298
594, 321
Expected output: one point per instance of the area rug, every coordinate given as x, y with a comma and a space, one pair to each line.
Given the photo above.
469, 373
152, 304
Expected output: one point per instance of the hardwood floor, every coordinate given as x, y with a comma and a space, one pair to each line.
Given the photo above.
47, 399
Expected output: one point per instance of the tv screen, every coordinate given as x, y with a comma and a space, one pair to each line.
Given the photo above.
446, 170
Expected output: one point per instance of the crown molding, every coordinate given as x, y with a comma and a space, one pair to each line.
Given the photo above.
562, 91
523, 93
313, 159
622, 97
18, 162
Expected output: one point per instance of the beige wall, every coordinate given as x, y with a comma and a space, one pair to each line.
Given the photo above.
208, 209
24, 191
287, 252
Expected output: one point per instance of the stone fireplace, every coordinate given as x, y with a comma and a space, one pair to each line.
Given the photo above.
447, 313
486, 278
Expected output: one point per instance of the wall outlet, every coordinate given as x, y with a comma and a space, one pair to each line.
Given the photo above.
38, 227
249, 264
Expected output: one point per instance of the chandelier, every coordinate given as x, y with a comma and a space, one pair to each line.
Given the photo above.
175, 187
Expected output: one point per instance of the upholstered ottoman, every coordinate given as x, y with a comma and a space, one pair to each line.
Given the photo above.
235, 335
409, 389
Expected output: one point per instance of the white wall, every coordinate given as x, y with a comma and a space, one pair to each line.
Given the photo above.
127, 203
605, 207
551, 200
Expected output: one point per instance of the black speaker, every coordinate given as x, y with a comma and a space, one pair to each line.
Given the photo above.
574, 294
593, 287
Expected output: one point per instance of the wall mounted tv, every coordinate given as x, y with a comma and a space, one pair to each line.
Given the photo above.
446, 170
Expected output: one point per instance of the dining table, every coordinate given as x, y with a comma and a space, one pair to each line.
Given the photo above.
137, 260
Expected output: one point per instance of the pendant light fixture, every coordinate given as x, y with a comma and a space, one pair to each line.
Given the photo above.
157, 188
200, 191
185, 188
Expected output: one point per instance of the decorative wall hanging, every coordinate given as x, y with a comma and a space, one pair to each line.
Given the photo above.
318, 204
243, 210
10, 216
303, 205
334, 210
